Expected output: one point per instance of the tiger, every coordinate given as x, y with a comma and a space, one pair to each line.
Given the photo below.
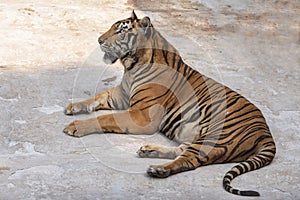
159, 92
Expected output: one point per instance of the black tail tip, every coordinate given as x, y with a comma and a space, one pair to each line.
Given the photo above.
250, 193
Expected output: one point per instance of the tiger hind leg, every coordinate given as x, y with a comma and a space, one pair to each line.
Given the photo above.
193, 157
153, 151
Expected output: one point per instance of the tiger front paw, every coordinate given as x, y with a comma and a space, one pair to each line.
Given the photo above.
74, 129
148, 151
158, 171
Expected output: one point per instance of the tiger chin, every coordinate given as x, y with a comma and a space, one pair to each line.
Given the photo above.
159, 92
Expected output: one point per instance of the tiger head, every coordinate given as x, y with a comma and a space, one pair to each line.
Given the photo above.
124, 37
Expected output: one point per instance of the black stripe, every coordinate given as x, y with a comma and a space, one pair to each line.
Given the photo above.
108, 103
146, 78
241, 170
140, 100
139, 91
171, 126
233, 173
179, 64
167, 121
158, 97
185, 70
165, 55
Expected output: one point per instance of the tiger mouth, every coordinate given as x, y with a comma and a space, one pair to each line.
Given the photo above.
109, 58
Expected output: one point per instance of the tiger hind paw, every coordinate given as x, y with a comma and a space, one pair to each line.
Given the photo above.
158, 171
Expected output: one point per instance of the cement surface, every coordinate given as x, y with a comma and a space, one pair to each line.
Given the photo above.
49, 56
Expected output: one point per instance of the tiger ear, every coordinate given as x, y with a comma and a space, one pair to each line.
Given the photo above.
133, 16
146, 26
146, 22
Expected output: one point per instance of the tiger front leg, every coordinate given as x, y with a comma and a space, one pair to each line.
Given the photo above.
79, 128
133, 122
100, 101
109, 100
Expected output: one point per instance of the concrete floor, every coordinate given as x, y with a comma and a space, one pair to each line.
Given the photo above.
49, 56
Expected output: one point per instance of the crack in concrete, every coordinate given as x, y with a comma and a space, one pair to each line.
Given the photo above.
50, 171
283, 191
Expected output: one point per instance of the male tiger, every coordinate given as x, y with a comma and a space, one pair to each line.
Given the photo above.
159, 92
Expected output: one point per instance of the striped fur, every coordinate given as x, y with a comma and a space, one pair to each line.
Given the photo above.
159, 92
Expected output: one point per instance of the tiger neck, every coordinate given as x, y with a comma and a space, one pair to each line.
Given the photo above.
157, 50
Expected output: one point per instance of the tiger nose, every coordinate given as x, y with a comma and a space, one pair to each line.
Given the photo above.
100, 41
